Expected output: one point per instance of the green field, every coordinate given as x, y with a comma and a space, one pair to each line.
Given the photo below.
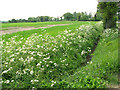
52, 31
57, 56
34, 24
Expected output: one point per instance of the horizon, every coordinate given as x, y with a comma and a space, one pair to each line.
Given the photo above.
33, 8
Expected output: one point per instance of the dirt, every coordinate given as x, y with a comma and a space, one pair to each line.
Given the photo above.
17, 29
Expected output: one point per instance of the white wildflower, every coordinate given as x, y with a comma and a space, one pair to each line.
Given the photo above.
52, 85
12, 80
33, 81
54, 49
12, 60
38, 64
47, 65
83, 52
91, 62
31, 72
7, 81
55, 64
38, 46
60, 45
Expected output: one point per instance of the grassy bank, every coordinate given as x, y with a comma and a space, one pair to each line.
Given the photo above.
52, 57
41, 59
102, 70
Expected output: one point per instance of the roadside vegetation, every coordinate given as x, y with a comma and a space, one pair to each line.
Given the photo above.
46, 58
102, 70
78, 55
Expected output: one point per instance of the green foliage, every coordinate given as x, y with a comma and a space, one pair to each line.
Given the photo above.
109, 12
80, 16
41, 60
74, 16
68, 16
99, 71
32, 19
84, 16
98, 16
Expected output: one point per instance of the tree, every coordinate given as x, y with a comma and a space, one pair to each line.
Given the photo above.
109, 12
84, 16
68, 16
13, 21
42, 19
61, 18
75, 16
31, 19
90, 15
98, 16
78, 16
46, 18
95, 17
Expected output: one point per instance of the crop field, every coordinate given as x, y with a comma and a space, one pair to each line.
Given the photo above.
77, 55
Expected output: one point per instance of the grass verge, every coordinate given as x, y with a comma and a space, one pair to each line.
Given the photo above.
102, 70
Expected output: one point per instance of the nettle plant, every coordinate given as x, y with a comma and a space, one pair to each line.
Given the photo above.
44, 57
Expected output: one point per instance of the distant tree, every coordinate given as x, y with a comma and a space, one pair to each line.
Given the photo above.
78, 16
68, 16
57, 19
21, 20
75, 16
50, 18
9, 21
109, 12
90, 15
95, 17
13, 21
42, 19
46, 18
61, 18
38, 19
98, 16
84, 16
32, 19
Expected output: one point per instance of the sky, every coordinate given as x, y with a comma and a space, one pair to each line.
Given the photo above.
22, 9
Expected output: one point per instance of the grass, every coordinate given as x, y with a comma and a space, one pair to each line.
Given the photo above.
34, 24
52, 57
52, 31
5, 26
102, 70
34, 56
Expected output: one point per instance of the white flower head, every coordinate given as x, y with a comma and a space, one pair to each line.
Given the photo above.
31, 72
38, 64
7, 81
52, 85
12, 80
38, 46
91, 62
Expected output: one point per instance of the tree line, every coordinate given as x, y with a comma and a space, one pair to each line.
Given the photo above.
80, 16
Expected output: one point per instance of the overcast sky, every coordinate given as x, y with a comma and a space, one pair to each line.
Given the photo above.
32, 8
